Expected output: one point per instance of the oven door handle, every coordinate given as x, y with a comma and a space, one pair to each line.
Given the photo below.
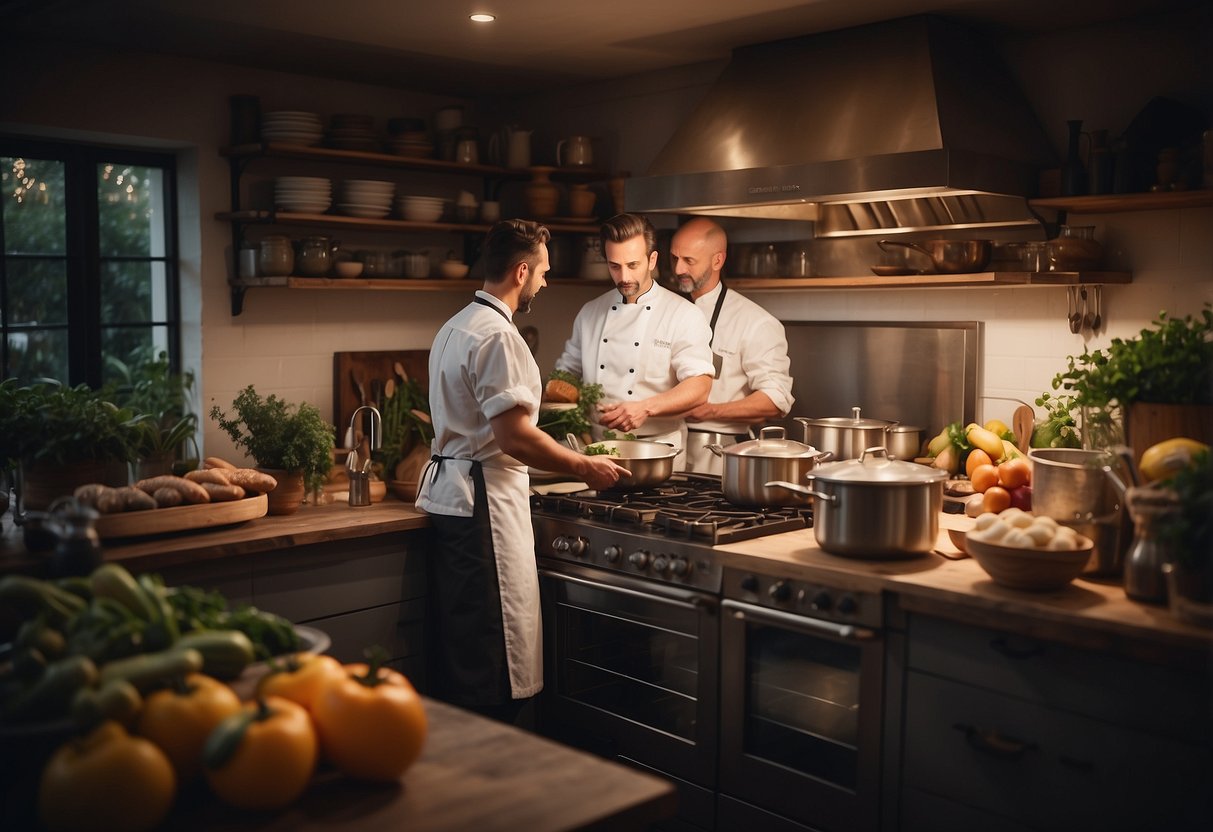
687, 600
850, 632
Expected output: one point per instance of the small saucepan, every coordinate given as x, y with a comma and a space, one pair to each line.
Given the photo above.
748, 466
949, 256
651, 463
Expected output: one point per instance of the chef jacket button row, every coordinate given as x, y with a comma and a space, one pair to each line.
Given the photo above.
634, 343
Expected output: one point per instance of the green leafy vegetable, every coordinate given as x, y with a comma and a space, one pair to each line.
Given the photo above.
598, 449
1058, 429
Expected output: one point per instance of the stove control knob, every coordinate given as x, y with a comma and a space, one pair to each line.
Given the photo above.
561, 545
680, 567
612, 554
847, 605
661, 563
749, 583
779, 591
639, 558
822, 601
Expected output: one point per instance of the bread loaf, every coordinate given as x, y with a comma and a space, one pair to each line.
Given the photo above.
560, 391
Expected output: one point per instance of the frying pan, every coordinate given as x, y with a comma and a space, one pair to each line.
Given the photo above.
949, 256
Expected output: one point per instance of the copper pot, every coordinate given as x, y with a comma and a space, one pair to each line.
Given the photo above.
949, 256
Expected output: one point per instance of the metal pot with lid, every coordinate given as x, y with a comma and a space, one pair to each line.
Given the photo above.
748, 466
846, 438
874, 506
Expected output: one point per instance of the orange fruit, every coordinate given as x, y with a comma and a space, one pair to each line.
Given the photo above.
976, 457
1014, 473
983, 477
997, 499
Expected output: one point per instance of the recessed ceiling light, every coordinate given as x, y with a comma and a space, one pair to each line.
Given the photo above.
482, 18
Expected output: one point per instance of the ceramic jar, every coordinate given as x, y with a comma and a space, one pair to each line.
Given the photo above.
315, 258
276, 257
581, 201
541, 195
1075, 249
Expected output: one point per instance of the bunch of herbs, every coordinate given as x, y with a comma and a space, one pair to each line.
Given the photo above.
278, 434
575, 420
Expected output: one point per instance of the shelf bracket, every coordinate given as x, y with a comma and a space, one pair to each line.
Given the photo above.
237, 296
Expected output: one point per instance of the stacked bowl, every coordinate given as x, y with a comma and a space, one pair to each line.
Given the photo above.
366, 198
303, 194
292, 127
352, 131
421, 208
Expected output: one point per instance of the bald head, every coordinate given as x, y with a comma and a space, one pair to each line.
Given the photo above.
697, 254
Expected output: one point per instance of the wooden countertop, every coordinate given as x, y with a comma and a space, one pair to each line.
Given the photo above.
1093, 613
473, 774
311, 524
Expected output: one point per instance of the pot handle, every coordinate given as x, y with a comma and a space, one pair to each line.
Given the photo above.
824, 456
915, 246
574, 443
801, 489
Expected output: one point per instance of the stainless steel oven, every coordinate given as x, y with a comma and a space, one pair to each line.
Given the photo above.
801, 688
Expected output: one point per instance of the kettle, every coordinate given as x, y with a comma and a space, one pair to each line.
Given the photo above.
511, 147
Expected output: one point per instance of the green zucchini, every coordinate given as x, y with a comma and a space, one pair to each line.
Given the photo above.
51, 695
225, 653
149, 671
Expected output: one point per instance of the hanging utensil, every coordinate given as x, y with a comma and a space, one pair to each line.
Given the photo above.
1087, 317
1097, 294
1072, 313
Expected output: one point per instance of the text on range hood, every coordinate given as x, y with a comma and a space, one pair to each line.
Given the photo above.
903, 125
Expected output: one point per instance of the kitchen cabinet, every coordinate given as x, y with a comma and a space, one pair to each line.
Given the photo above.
1008, 732
240, 157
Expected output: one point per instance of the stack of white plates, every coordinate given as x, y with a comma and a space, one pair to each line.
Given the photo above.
303, 194
292, 127
366, 198
421, 208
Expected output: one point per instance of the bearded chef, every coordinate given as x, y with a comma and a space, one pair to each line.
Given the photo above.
644, 344
749, 346
484, 399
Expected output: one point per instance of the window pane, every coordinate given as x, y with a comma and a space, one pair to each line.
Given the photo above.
133, 292
129, 345
37, 291
39, 353
130, 210
35, 221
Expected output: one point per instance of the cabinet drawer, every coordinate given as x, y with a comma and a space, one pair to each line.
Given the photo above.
1149, 697
925, 812
1046, 768
315, 582
233, 578
398, 628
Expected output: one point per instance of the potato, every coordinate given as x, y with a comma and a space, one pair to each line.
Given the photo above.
984, 521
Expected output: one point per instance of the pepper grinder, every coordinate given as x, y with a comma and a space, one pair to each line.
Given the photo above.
360, 469
1150, 507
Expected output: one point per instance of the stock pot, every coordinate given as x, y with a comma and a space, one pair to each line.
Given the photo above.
874, 506
846, 438
748, 466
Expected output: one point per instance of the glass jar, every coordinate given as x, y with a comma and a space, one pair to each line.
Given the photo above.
1034, 257
276, 258
315, 256
1075, 249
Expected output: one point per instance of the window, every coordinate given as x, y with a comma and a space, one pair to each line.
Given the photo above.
88, 277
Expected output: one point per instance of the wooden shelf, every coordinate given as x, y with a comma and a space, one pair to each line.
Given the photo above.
338, 221
278, 150
1120, 203
394, 284
977, 279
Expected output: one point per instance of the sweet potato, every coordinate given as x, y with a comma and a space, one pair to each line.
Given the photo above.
217, 462
250, 479
223, 493
191, 492
135, 499
217, 476
167, 497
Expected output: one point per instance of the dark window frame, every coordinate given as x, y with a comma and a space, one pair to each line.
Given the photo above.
83, 258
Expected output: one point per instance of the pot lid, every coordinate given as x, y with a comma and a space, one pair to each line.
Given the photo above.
875, 467
842, 422
896, 428
772, 442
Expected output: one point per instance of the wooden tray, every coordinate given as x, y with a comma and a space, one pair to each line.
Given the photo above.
374, 369
180, 518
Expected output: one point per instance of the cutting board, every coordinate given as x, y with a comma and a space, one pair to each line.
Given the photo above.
373, 369
180, 518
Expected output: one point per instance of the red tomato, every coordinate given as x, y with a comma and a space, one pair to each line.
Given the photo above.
997, 499
1015, 473
983, 477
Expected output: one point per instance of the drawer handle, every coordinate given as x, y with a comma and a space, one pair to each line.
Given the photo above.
993, 743
1001, 645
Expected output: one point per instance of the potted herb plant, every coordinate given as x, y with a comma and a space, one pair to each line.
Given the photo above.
1161, 382
168, 438
60, 437
292, 443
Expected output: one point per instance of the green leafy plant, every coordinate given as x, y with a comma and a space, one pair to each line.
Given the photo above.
575, 420
406, 425
280, 435
151, 389
46, 422
1057, 429
1189, 530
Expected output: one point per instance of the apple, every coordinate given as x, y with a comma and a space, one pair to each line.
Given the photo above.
1021, 497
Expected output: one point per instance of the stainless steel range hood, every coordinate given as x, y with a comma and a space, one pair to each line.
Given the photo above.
900, 126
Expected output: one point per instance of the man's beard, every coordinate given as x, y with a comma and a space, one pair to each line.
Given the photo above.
696, 283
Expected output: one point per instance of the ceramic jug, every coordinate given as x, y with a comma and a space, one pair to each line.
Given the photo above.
575, 151
517, 147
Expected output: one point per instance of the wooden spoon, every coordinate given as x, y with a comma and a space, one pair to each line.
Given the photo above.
399, 368
1021, 425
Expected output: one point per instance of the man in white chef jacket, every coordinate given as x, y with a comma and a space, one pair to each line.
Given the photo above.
484, 394
644, 344
749, 348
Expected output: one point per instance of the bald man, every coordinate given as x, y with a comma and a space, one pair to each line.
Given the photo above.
749, 348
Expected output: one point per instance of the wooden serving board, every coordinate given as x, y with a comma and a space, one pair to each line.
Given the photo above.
180, 518
374, 369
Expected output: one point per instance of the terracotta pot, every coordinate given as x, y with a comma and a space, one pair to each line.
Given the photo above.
1147, 424
42, 483
581, 200
541, 195
288, 496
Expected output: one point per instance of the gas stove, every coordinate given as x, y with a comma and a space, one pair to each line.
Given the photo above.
664, 534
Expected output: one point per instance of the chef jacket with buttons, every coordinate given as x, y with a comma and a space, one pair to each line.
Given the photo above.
637, 350
753, 348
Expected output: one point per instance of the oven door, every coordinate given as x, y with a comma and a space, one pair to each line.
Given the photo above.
631, 669
801, 710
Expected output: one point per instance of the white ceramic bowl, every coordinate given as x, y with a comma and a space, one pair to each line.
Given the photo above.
453, 269
420, 213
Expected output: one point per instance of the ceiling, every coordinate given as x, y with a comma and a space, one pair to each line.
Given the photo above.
431, 44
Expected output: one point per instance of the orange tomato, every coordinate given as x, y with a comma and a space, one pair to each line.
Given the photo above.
300, 678
984, 477
106, 780
263, 756
976, 457
371, 722
997, 499
180, 720
1015, 473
